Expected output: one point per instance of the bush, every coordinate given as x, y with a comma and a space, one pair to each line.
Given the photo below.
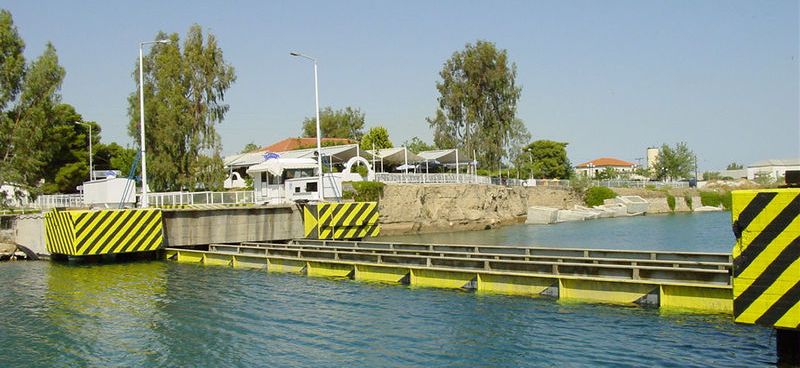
361, 170
715, 199
688, 199
671, 202
579, 184
596, 195
366, 191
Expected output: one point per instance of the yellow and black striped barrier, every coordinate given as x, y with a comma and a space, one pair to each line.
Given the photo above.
766, 265
353, 220
84, 233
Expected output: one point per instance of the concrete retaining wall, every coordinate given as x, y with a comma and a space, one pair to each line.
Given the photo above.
659, 205
29, 232
231, 225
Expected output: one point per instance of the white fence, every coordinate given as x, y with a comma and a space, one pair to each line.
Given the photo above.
46, 202
168, 199
640, 184
420, 178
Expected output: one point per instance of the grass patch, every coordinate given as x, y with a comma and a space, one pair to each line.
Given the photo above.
716, 199
671, 202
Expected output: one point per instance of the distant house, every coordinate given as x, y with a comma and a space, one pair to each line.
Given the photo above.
592, 168
773, 168
291, 144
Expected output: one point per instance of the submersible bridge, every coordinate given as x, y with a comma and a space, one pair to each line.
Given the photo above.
758, 283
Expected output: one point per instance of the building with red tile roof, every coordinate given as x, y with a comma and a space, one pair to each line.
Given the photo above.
592, 168
290, 144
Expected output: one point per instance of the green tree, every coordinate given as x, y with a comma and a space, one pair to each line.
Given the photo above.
417, 145
184, 88
734, 166
674, 163
477, 102
67, 151
28, 96
546, 159
377, 138
250, 147
344, 123
112, 156
607, 174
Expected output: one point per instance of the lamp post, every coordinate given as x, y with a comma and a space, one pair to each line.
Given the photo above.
319, 143
91, 166
144, 203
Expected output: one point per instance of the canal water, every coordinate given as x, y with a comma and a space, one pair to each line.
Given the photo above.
156, 314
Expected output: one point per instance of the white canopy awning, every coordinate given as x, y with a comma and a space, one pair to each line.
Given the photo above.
243, 159
338, 154
395, 155
276, 166
445, 156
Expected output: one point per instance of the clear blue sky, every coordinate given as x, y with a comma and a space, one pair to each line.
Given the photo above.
609, 77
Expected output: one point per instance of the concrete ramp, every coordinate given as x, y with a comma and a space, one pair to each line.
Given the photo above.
634, 204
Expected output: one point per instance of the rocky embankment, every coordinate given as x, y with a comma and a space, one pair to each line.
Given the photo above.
426, 208
421, 208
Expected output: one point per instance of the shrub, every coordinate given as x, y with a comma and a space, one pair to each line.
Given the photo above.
715, 199
596, 195
361, 170
367, 191
580, 184
688, 199
671, 202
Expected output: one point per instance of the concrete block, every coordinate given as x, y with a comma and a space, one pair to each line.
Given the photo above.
570, 215
542, 215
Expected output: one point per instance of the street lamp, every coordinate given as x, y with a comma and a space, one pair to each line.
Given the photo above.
144, 203
319, 144
91, 166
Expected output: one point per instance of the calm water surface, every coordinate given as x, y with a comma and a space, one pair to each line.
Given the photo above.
156, 314
702, 232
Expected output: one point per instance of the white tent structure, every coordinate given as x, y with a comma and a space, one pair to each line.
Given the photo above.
448, 157
395, 156
276, 167
332, 155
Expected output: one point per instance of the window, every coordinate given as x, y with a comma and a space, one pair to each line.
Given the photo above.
311, 186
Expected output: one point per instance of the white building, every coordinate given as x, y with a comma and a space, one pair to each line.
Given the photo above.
773, 168
592, 168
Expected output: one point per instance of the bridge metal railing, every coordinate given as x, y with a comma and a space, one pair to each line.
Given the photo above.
48, 201
176, 199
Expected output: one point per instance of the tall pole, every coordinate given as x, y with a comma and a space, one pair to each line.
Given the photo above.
91, 165
319, 135
144, 202
321, 183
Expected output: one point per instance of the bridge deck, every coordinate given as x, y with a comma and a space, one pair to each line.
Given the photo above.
667, 279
